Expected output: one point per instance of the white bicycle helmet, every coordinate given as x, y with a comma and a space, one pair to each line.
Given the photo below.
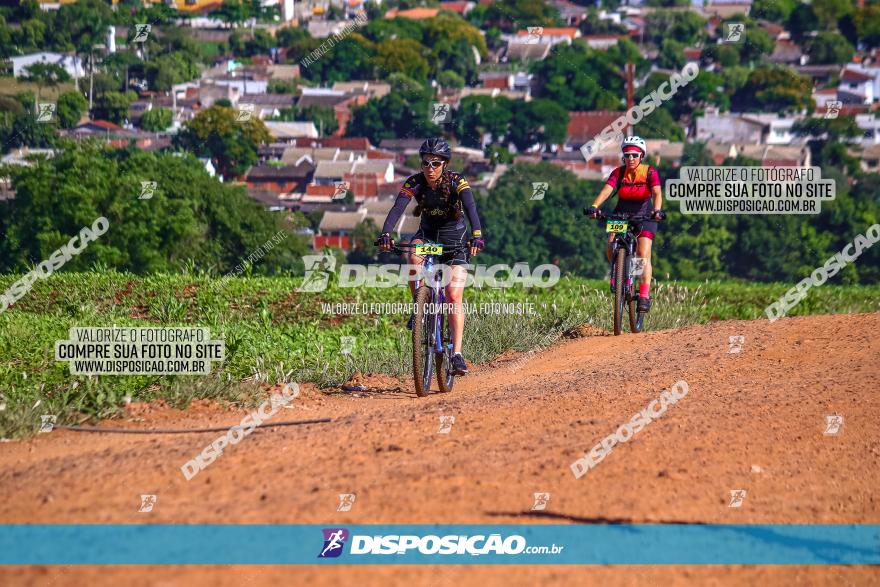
635, 141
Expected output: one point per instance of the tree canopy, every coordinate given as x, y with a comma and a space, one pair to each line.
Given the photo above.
190, 216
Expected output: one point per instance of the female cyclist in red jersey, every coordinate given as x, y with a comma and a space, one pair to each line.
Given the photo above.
638, 192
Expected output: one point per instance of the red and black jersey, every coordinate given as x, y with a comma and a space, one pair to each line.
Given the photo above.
636, 185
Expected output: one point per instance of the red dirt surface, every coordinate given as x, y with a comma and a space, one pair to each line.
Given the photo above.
752, 420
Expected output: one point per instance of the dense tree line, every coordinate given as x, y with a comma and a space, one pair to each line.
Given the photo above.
754, 247
189, 216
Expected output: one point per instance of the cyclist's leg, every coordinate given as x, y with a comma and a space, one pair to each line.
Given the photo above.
418, 237
414, 260
643, 250
455, 296
608, 249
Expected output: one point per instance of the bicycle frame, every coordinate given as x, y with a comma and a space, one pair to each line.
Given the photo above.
437, 298
626, 240
429, 344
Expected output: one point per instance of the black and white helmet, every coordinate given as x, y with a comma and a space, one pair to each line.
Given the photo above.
436, 146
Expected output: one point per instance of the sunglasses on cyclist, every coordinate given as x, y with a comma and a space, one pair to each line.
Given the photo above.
434, 164
631, 155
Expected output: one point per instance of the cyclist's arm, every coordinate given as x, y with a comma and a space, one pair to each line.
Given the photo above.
470, 206
395, 213
406, 193
654, 182
603, 195
658, 197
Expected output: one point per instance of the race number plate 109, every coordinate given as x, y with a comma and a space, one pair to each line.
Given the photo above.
429, 249
616, 226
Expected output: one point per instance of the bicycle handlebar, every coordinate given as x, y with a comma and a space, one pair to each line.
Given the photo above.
624, 216
401, 248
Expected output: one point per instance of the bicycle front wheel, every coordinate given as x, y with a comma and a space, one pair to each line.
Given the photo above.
619, 298
421, 342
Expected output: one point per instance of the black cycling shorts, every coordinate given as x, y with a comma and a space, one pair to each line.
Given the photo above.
645, 228
449, 234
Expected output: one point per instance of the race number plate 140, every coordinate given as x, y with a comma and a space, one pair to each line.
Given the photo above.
429, 249
616, 226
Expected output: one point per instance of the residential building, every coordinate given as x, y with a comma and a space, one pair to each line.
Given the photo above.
287, 131
267, 105
280, 179
549, 35
869, 157
602, 42
586, 126
71, 64
526, 52
370, 88
730, 128
460, 8
775, 155
572, 14
23, 155
858, 83
788, 53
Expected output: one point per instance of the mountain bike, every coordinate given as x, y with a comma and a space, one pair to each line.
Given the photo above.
623, 268
432, 331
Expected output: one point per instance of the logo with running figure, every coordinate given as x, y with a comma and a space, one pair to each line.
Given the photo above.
539, 190
334, 541
341, 190
446, 423
541, 501
318, 270
47, 422
440, 113
148, 188
244, 112
141, 32
832, 108
45, 111
737, 496
833, 424
735, 344
534, 35
346, 501
147, 503
733, 32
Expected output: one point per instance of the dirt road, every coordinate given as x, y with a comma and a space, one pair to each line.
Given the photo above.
753, 420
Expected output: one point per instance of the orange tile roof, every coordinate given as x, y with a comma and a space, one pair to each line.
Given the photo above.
413, 13
553, 32
320, 190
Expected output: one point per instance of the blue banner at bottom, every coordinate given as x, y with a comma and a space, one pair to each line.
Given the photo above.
770, 544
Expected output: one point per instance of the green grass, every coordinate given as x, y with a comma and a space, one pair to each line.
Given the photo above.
209, 50
11, 87
274, 334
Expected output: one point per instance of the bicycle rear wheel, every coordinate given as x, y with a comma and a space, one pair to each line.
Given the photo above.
421, 341
445, 374
619, 299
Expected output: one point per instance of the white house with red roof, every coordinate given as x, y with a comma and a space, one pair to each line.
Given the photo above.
545, 35
859, 83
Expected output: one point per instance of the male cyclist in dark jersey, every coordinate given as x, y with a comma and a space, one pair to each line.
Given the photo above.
444, 198
638, 192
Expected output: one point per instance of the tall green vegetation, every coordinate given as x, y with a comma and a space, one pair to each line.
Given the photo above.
189, 217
